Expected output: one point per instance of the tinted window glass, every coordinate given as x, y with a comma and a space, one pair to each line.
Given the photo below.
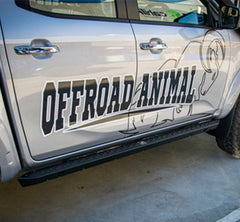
101, 8
179, 11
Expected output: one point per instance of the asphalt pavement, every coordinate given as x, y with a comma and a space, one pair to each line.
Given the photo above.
184, 181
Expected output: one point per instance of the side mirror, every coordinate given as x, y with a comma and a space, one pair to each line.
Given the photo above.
229, 17
191, 18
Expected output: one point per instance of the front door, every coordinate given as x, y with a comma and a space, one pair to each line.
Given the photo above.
182, 64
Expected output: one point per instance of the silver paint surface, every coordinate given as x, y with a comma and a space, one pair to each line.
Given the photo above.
95, 49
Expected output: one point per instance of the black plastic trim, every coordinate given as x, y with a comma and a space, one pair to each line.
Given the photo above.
23, 4
226, 2
168, 24
120, 10
224, 128
116, 152
132, 9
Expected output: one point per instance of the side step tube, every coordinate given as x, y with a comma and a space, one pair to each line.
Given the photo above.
86, 161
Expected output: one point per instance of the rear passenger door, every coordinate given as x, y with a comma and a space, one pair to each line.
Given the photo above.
73, 67
182, 63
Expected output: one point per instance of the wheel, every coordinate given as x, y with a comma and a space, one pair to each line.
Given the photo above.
230, 141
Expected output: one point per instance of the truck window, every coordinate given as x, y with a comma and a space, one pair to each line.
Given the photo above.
178, 11
99, 8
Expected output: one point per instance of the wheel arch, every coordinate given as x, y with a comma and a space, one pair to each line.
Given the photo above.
232, 95
9, 160
227, 108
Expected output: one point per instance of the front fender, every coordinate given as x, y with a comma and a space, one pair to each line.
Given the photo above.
231, 97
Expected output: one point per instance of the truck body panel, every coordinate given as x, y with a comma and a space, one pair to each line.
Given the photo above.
76, 84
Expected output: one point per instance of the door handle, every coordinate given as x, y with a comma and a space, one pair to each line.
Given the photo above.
31, 50
149, 46
38, 48
155, 45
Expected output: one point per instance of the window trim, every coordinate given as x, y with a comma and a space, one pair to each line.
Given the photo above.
134, 21
121, 12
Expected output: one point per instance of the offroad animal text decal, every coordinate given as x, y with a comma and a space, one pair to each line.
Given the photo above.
74, 104
107, 97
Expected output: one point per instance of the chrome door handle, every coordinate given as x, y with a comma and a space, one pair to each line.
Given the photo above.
155, 45
149, 45
27, 50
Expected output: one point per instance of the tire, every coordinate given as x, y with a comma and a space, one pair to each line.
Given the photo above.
230, 142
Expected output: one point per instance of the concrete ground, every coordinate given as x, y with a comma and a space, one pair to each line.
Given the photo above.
184, 181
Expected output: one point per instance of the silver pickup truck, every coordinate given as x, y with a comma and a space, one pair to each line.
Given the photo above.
87, 81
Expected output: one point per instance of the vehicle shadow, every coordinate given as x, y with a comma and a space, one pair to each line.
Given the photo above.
180, 180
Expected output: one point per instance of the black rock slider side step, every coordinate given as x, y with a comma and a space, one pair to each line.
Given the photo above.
86, 161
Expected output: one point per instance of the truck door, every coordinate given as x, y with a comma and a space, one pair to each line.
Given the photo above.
182, 63
73, 66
